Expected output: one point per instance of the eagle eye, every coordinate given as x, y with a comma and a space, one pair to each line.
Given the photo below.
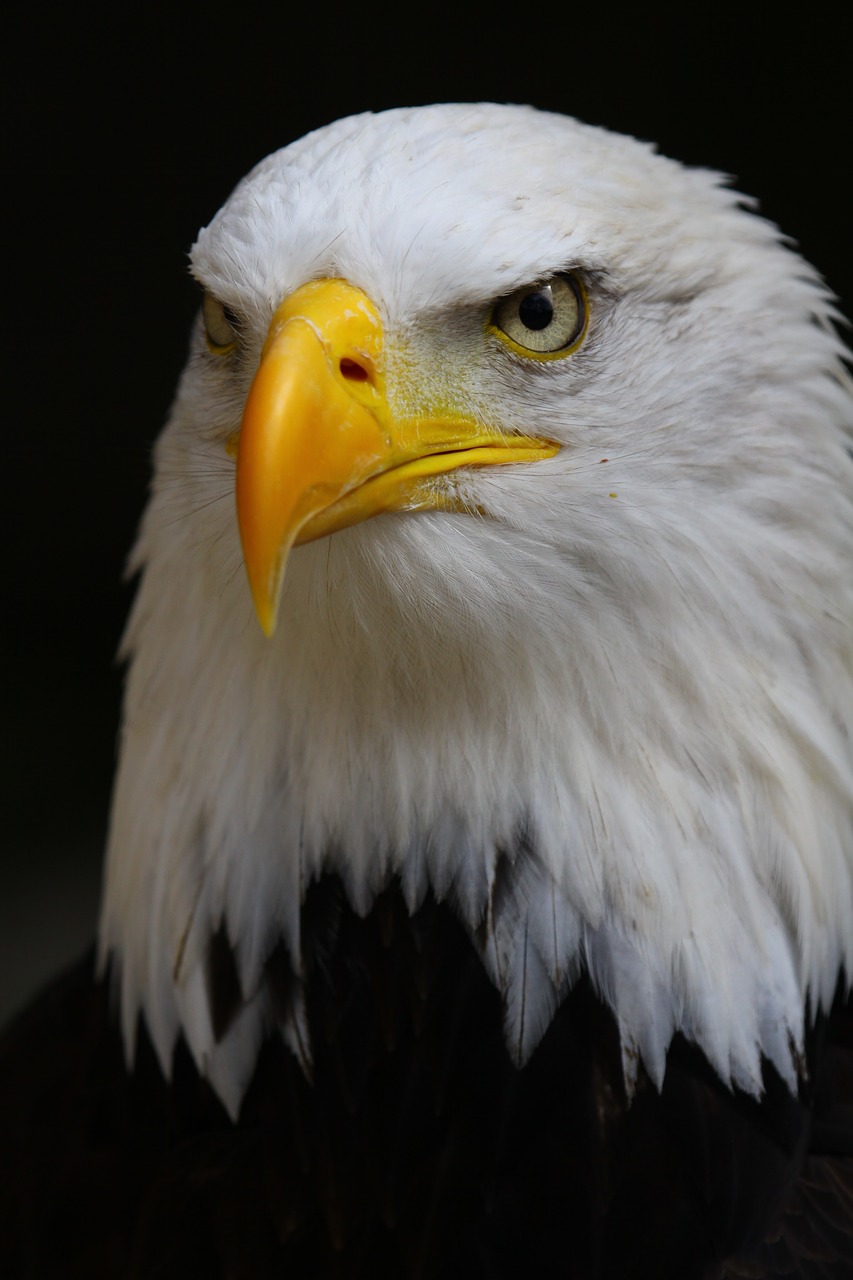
545, 319
220, 325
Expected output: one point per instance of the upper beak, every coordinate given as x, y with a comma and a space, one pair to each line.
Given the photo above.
319, 448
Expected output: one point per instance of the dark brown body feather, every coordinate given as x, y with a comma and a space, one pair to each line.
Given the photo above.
418, 1149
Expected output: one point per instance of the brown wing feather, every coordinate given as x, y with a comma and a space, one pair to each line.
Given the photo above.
416, 1150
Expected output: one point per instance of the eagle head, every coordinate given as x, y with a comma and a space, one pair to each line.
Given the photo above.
499, 544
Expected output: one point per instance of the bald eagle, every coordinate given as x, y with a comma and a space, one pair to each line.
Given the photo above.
479, 887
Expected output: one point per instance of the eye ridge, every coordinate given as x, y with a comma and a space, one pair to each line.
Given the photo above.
543, 320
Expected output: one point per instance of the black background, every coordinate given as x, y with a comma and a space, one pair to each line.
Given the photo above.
127, 132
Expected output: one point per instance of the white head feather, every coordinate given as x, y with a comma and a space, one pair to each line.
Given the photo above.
633, 678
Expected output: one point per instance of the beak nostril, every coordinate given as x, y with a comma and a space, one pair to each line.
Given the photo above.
353, 371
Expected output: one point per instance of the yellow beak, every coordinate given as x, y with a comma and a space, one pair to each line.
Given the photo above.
319, 448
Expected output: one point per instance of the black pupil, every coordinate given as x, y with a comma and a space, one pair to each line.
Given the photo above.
536, 310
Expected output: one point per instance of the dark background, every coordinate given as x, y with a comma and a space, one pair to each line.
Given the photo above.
127, 132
